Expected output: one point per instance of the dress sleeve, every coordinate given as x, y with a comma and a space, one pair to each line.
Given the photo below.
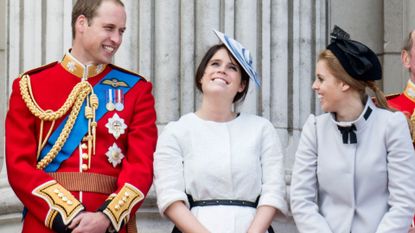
45, 199
401, 172
304, 183
273, 185
168, 169
136, 176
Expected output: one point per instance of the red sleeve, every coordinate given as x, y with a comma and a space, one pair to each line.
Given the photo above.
40, 194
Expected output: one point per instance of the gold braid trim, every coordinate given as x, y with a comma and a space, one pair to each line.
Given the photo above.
60, 201
76, 98
412, 121
26, 91
119, 208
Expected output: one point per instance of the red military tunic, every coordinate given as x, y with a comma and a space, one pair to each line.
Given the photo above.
114, 180
405, 102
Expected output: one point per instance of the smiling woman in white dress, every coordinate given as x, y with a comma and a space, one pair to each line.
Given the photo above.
355, 164
216, 170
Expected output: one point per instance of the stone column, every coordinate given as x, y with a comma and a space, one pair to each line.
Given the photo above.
167, 60
10, 206
408, 15
364, 20
396, 31
3, 76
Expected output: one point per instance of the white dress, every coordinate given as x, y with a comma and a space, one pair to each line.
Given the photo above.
238, 160
365, 187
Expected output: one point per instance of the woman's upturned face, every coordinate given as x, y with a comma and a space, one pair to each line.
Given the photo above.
222, 75
327, 87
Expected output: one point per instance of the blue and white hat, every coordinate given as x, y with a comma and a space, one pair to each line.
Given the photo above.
241, 54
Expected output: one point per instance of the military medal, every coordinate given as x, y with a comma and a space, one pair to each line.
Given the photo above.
114, 155
119, 100
110, 100
119, 106
110, 106
116, 126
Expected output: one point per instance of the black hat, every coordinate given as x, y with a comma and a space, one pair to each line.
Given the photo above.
357, 59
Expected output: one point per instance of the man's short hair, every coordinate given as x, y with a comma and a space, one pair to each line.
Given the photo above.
88, 8
408, 43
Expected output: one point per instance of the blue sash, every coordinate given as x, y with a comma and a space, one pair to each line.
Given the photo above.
80, 127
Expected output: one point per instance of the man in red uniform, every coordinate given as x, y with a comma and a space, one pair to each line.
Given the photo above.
80, 133
405, 101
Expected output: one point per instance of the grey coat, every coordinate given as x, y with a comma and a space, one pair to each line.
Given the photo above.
365, 187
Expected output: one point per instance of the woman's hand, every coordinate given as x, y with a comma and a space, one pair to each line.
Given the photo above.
263, 219
180, 215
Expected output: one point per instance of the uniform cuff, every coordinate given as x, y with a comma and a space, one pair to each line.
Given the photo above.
63, 206
118, 206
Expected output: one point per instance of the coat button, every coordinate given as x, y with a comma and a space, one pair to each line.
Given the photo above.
85, 156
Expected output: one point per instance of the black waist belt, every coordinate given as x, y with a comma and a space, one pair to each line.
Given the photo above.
222, 202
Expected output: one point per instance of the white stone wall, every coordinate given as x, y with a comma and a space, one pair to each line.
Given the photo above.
3, 76
383, 26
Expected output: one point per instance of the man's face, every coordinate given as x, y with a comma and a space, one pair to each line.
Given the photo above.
101, 36
408, 59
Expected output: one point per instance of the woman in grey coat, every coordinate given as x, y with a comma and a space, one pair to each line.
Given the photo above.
355, 164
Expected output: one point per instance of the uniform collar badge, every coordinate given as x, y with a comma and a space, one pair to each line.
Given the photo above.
72, 65
116, 126
410, 90
114, 155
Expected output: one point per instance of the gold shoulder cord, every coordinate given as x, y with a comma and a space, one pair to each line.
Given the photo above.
75, 99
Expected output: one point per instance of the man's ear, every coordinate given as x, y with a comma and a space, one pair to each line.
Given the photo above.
81, 23
406, 59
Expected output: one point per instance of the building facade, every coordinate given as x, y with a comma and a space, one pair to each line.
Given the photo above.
165, 40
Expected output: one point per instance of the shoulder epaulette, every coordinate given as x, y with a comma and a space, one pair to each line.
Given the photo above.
391, 96
127, 71
38, 69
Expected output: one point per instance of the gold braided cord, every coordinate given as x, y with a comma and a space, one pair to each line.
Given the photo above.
94, 100
50, 156
74, 101
42, 142
29, 87
94, 104
48, 135
27, 95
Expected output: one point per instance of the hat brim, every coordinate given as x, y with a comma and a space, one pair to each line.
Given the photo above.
240, 54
